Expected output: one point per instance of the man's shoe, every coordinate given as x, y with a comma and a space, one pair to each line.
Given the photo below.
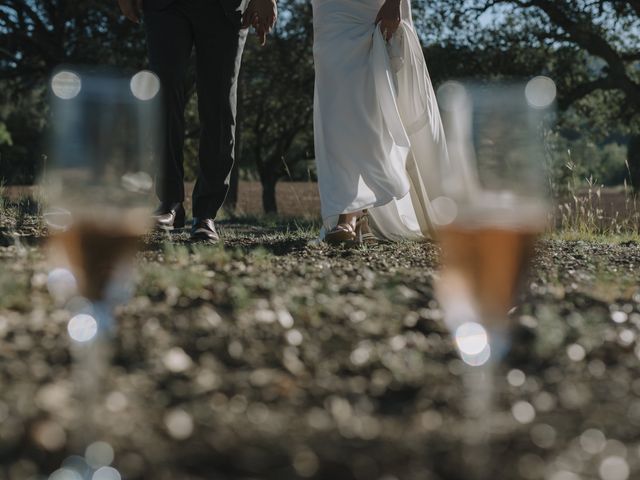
204, 230
169, 216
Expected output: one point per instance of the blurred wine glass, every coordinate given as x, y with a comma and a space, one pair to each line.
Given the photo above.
98, 181
494, 204
98, 191
493, 207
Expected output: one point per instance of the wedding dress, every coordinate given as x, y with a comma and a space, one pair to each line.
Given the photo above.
378, 135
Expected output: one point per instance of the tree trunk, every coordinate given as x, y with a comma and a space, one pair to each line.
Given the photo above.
634, 161
231, 201
269, 203
232, 197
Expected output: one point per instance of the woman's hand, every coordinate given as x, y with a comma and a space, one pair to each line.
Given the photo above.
389, 18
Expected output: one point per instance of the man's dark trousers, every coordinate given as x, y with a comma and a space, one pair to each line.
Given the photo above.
174, 28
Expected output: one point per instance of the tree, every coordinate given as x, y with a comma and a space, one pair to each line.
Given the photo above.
591, 49
36, 36
588, 46
277, 106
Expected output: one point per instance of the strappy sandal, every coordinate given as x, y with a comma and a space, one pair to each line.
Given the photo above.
340, 234
363, 231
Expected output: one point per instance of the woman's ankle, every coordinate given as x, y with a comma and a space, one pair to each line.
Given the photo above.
351, 218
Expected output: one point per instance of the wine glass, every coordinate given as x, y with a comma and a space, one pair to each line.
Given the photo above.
98, 204
99, 177
493, 207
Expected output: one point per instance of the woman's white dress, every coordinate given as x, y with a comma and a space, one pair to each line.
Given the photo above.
378, 135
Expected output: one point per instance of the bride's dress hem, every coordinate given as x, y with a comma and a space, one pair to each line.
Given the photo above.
367, 206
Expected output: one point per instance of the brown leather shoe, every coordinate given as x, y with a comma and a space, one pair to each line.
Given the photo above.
169, 216
204, 230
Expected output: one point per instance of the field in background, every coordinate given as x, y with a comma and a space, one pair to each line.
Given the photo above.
605, 215
295, 199
301, 199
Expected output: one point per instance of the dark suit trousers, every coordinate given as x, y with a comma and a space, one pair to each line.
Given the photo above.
172, 33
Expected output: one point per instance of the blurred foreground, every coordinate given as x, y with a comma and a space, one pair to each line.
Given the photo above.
276, 359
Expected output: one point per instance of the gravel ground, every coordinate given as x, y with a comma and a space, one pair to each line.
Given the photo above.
276, 358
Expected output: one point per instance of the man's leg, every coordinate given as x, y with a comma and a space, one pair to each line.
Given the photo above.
219, 44
170, 42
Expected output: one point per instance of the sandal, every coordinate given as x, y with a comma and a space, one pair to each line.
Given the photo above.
341, 233
363, 231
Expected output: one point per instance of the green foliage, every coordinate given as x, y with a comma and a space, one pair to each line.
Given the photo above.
581, 160
276, 99
588, 47
192, 139
5, 136
37, 37
22, 125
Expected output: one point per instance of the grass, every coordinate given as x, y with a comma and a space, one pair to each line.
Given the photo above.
3, 198
584, 210
582, 214
585, 235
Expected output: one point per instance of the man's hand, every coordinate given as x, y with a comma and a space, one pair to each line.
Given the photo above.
389, 18
261, 15
132, 9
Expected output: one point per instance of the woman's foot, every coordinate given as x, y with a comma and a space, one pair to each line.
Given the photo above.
363, 231
344, 231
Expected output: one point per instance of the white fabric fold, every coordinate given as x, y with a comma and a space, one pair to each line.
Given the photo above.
384, 79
